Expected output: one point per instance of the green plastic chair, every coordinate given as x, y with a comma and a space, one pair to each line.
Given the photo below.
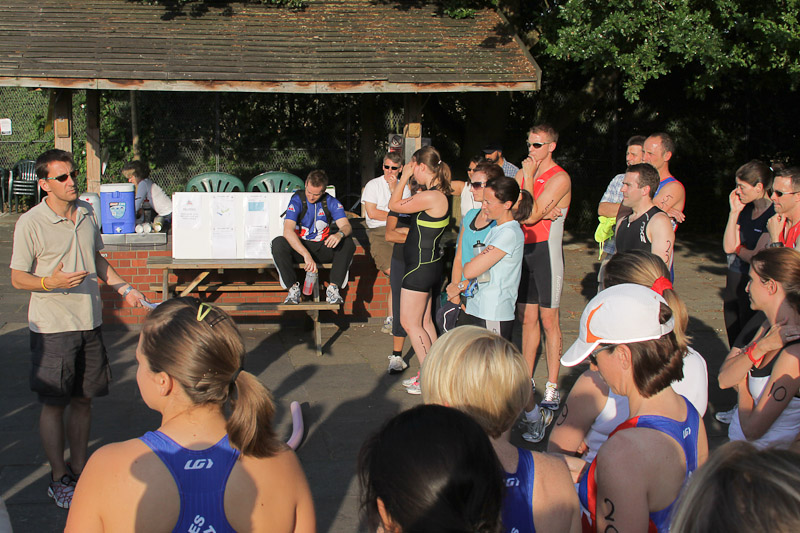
274, 181
23, 182
215, 182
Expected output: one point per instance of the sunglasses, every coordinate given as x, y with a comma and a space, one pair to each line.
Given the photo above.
781, 193
389, 167
477, 184
470, 170
536, 145
63, 177
593, 355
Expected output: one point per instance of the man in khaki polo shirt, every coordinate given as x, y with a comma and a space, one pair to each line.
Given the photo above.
56, 257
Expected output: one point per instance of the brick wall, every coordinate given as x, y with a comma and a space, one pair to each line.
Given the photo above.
366, 294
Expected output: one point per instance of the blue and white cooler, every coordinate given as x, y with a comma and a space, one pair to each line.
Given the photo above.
118, 207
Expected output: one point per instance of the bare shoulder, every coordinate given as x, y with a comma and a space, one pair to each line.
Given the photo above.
553, 469
275, 474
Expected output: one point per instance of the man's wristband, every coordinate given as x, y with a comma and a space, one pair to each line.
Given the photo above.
775, 245
343, 235
126, 291
43, 285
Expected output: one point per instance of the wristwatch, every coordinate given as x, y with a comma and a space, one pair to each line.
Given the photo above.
461, 285
775, 245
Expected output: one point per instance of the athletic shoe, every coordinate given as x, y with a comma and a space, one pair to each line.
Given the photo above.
552, 398
408, 382
61, 491
72, 475
725, 417
535, 429
294, 294
414, 389
396, 364
332, 295
387, 325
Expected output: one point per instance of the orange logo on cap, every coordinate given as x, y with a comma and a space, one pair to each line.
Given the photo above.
591, 337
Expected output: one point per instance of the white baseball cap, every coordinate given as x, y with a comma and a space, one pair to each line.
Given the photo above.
618, 315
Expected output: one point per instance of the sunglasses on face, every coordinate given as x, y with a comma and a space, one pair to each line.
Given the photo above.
470, 170
477, 184
781, 193
63, 177
536, 145
389, 167
594, 354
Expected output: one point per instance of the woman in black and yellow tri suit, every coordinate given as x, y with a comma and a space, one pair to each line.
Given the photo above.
423, 257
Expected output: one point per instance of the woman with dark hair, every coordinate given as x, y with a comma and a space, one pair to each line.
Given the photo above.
745, 235
593, 410
422, 252
430, 469
493, 304
766, 372
626, 332
201, 470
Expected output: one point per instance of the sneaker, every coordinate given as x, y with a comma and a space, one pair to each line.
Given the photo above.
332, 295
61, 491
72, 475
725, 417
294, 294
396, 364
414, 389
387, 325
534, 430
408, 382
552, 398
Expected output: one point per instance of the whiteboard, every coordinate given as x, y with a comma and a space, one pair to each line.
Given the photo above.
215, 225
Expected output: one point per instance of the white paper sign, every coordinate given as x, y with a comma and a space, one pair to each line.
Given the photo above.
5, 126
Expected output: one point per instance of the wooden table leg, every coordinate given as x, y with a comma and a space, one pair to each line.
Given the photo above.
165, 285
195, 282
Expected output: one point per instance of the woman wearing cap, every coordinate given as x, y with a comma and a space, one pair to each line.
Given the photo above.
485, 376
766, 372
422, 252
626, 332
593, 411
201, 470
493, 304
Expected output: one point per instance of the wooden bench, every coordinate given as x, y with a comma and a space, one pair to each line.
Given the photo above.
207, 266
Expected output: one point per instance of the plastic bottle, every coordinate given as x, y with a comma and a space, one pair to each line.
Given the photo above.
308, 285
477, 248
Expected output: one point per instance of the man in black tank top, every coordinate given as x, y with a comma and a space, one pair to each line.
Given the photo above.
647, 228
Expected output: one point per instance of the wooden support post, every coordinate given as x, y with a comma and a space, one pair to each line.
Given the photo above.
93, 164
62, 119
412, 131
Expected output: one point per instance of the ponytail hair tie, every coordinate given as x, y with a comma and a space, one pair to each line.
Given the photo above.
661, 284
236, 375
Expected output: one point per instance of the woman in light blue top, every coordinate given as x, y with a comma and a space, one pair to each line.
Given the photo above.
492, 306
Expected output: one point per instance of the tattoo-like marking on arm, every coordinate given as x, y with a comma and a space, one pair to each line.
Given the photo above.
610, 529
665, 201
403, 202
548, 206
778, 393
610, 515
563, 417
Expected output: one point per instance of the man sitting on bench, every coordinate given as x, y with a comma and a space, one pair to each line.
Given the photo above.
315, 229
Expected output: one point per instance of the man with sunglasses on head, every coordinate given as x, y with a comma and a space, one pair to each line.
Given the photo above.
542, 278
375, 198
56, 256
784, 225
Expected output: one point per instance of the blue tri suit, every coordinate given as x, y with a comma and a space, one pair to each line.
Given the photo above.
518, 501
685, 433
201, 476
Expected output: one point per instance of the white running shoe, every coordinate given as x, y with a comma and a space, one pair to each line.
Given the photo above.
534, 430
396, 364
332, 295
414, 389
552, 398
294, 294
408, 382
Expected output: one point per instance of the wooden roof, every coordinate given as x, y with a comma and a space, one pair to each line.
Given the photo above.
330, 46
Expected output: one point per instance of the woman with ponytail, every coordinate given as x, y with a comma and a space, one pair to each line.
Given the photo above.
422, 253
215, 463
593, 410
492, 305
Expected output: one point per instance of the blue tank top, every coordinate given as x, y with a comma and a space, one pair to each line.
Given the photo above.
201, 476
518, 501
685, 433
471, 235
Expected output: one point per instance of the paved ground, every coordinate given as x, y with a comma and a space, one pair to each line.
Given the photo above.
345, 394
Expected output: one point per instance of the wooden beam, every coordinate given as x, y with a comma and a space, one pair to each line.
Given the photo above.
93, 168
62, 119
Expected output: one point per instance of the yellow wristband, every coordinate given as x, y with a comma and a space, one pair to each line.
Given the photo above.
44, 286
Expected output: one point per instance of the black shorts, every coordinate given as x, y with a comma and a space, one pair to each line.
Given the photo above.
67, 365
503, 328
542, 275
